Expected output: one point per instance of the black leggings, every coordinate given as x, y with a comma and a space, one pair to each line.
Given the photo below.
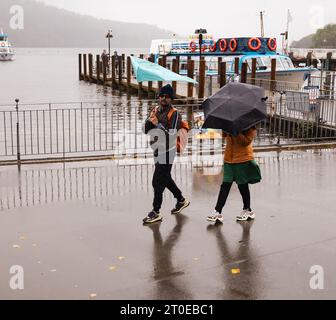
224, 193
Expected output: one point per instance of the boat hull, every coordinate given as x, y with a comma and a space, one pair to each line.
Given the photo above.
6, 56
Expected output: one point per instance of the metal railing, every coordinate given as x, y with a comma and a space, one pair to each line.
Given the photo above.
115, 129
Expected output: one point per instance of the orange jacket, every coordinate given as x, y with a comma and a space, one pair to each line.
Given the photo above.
239, 149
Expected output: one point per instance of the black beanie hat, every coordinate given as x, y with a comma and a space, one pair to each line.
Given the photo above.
167, 89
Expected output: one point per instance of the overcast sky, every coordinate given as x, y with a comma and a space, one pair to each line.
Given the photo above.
221, 18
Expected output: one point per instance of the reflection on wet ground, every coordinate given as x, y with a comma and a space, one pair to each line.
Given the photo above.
76, 230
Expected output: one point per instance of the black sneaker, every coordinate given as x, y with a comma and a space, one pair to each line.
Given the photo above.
180, 206
153, 217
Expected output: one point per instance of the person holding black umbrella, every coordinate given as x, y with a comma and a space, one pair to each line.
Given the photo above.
239, 167
236, 109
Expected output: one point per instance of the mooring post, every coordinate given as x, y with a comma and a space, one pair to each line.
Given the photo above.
164, 61
201, 84
160, 82
236, 66
174, 69
85, 66
120, 72
254, 71
150, 83
113, 69
90, 67
123, 62
140, 87
104, 71
243, 77
220, 59
190, 93
273, 75
18, 155
98, 68
129, 74
80, 66
222, 74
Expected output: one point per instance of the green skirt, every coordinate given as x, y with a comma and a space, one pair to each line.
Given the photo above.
242, 173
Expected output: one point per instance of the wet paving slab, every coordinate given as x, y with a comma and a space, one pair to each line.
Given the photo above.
77, 232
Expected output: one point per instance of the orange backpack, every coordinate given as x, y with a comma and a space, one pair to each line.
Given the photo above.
182, 135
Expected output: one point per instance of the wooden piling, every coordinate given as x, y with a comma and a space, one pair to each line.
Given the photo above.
174, 69
98, 68
220, 59
123, 62
120, 76
113, 69
80, 66
164, 61
329, 61
140, 88
273, 75
104, 71
201, 82
85, 66
160, 82
243, 78
190, 93
222, 74
129, 74
178, 65
254, 71
150, 83
309, 59
236, 66
90, 67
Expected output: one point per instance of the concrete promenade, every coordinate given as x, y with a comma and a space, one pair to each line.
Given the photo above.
76, 229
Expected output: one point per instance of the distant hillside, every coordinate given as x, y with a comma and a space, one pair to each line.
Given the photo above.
324, 38
47, 26
306, 42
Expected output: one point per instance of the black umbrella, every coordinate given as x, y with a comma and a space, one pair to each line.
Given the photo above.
235, 108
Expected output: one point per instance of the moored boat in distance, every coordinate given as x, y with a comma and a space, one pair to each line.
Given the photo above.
262, 49
6, 49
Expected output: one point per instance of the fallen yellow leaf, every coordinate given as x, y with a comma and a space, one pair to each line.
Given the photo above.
93, 295
235, 271
196, 259
16, 246
22, 238
121, 258
112, 268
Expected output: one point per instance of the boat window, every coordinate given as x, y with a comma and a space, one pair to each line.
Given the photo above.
288, 64
249, 62
3, 38
279, 65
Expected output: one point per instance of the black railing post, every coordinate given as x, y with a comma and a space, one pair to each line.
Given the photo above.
18, 134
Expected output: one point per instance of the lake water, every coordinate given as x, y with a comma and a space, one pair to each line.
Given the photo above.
43, 75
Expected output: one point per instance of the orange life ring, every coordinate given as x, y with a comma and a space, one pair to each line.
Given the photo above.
251, 46
223, 45
204, 47
272, 44
233, 45
2, 44
192, 46
213, 47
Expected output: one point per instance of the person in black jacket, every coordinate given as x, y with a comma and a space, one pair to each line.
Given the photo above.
163, 133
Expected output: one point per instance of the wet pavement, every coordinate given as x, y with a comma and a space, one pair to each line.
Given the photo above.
76, 230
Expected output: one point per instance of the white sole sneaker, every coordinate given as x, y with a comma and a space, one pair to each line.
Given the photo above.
215, 219
186, 205
246, 217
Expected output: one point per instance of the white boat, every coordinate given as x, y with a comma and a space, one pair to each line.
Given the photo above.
262, 49
6, 49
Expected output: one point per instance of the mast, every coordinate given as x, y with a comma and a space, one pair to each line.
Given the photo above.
262, 23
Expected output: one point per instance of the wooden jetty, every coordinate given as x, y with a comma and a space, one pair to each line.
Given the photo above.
121, 77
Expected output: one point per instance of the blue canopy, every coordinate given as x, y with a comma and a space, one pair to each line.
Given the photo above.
148, 71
